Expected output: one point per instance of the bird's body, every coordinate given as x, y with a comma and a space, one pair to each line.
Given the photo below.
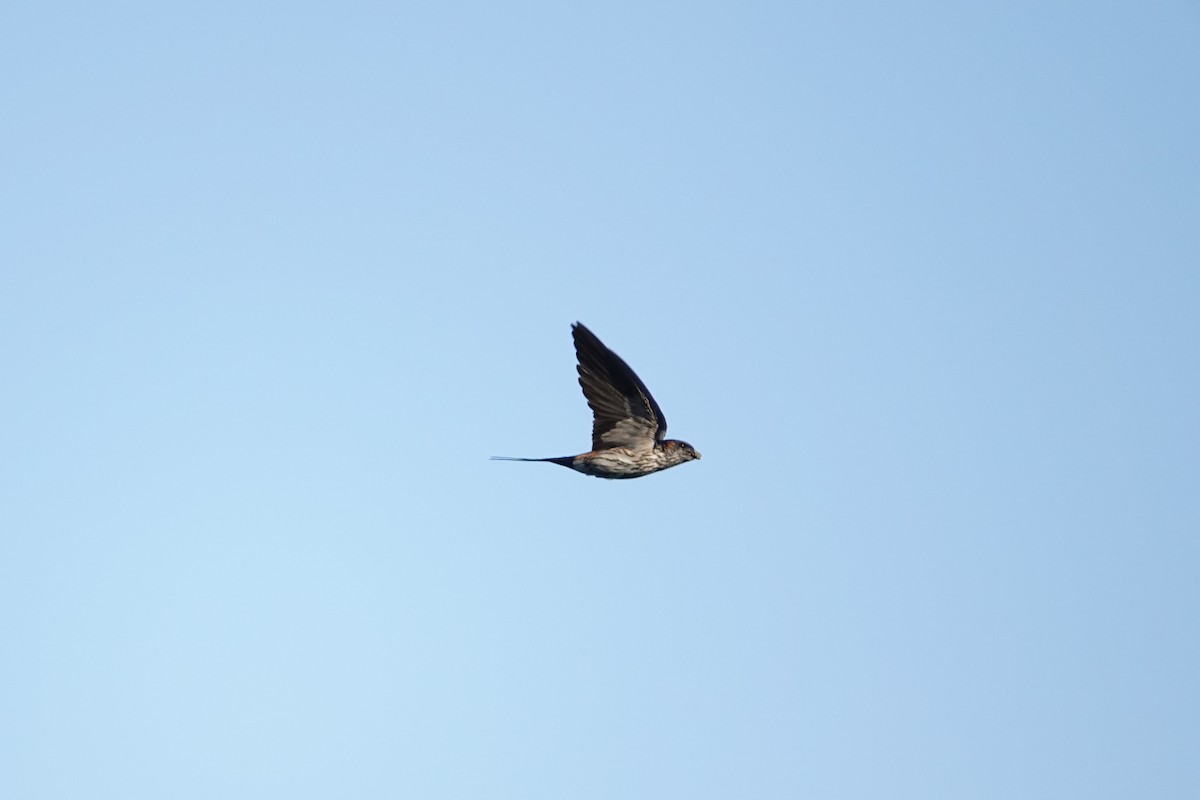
621, 462
627, 427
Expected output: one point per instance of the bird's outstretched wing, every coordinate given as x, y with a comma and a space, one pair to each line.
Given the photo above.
625, 414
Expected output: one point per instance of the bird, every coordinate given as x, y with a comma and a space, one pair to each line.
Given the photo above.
628, 427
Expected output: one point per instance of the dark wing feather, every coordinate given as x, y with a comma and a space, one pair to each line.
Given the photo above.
625, 414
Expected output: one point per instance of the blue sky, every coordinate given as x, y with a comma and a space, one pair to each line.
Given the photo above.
921, 282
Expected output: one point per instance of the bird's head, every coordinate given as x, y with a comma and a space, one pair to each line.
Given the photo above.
682, 449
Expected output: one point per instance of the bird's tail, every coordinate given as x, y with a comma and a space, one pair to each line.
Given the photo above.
565, 461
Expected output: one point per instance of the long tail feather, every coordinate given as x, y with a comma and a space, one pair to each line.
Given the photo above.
565, 461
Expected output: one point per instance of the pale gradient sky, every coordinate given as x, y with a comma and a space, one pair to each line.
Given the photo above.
921, 282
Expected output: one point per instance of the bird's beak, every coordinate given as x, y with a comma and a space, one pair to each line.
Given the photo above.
697, 455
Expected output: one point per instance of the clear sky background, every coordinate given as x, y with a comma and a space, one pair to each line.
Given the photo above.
921, 282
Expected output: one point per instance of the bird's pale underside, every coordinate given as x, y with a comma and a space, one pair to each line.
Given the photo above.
628, 427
